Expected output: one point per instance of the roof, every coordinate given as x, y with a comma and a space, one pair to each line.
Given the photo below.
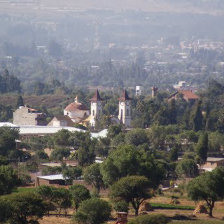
53, 177
76, 106
44, 130
189, 94
124, 96
8, 124
62, 118
214, 159
96, 97
55, 164
48, 130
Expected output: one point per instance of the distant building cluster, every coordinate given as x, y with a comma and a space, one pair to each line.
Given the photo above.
75, 113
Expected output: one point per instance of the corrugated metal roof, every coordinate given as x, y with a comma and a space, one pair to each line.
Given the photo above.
53, 177
45, 130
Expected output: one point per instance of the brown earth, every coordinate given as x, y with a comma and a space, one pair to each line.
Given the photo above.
49, 101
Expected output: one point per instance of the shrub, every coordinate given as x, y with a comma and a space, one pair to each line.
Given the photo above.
150, 219
93, 211
121, 206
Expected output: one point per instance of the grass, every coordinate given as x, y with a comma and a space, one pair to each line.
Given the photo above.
23, 189
198, 222
168, 206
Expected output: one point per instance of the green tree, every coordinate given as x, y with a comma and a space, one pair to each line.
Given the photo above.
136, 137
7, 140
202, 148
78, 193
19, 101
197, 118
187, 168
173, 112
93, 211
208, 187
60, 153
150, 219
132, 189
114, 130
26, 208
92, 175
173, 154
128, 160
72, 173
8, 179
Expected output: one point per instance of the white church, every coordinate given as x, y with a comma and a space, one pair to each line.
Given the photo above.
76, 112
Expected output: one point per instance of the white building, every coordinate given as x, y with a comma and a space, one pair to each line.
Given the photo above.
139, 90
125, 109
96, 108
76, 111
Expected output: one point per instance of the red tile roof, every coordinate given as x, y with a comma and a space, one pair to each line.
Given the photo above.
75, 106
188, 94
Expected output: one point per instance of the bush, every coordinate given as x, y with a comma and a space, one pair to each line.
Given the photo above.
121, 206
150, 219
93, 211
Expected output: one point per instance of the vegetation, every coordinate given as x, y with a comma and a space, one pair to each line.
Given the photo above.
208, 187
93, 211
150, 219
132, 189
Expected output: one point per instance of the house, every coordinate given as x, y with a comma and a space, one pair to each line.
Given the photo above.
61, 121
187, 95
76, 111
212, 163
54, 180
28, 116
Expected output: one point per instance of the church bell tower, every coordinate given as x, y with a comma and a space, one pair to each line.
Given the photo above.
125, 109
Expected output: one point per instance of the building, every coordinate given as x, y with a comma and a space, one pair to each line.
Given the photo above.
180, 85
124, 115
76, 111
96, 108
53, 180
139, 90
212, 163
28, 116
187, 95
61, 121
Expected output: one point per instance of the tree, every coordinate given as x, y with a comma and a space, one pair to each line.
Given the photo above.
187, 168
8, 179
62, 199
173, 112
60, 153
150, 219
136, 137
93, 176
114, 130
72, 173
19, 101
5, 210
132, 189
78, 193
173, 154
202, 148
26, 208
7, 140
208, 187
128, 160
93, 211
197, 118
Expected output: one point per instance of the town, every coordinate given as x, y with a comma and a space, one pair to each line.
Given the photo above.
111, 112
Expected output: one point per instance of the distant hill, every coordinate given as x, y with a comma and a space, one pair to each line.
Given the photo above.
196, 6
